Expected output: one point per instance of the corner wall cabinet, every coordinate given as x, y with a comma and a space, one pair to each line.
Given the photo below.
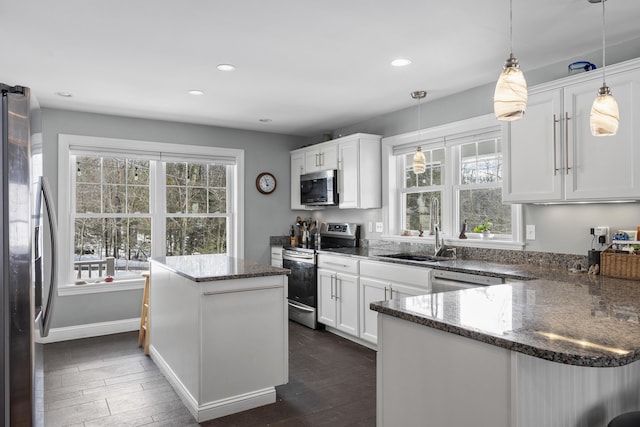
551, 156
357, 158
338, 293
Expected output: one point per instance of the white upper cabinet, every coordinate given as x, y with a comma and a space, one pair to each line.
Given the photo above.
297, 169
357, 158
359, 172
551, 156
321, 157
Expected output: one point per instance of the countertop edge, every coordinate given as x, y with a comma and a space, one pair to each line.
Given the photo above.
508, 344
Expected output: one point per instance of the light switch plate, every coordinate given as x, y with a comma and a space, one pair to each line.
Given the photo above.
531, 232
378, 227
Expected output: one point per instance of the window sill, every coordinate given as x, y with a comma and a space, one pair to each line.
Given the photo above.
102, 287
470, 242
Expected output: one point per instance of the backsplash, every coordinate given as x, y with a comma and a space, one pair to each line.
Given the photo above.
503, 256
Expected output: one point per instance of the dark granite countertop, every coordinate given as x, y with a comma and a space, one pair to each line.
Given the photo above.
553, 314
206, 268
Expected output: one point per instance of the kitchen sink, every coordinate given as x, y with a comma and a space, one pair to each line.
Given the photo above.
417, 257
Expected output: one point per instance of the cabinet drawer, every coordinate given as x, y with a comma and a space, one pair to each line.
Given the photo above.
395, 273
338, 263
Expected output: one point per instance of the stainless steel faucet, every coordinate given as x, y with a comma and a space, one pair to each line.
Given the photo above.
433, 214
439, 243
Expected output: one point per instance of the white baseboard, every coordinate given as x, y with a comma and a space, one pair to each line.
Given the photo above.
90, 330
216, 409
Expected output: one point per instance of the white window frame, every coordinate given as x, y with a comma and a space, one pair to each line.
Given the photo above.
159, 151
448, 136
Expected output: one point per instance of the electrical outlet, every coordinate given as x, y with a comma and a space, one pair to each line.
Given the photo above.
531, 232
601, 231
378, 227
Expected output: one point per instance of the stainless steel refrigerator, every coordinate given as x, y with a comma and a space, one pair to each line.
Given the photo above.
25, 201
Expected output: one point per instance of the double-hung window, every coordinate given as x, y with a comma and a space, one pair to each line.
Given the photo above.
462, 182
123, 202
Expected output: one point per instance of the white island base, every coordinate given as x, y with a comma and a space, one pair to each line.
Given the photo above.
222, 344
428, 377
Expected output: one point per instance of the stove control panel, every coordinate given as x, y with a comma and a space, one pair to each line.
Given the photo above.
344, 230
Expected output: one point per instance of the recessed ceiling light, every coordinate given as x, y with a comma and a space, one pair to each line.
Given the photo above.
195, 92
226, 67
265, 120
400, 62
64, 94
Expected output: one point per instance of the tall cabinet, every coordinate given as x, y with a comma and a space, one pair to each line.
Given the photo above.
551, 156
357, 158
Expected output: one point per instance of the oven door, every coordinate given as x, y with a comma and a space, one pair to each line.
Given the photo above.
302, 280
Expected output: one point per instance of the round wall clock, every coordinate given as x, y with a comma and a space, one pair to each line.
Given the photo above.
266, 183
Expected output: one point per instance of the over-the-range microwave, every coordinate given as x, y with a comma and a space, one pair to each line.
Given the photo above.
319, 188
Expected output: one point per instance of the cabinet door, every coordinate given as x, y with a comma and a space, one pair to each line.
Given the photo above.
276, 256
603, 167
347, 303
532, 150
320, 158
371, 290
326, 298
297, 169
349, 178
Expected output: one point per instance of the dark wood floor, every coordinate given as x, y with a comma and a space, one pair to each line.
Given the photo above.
107, 381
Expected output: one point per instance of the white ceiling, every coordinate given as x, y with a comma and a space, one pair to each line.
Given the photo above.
309, 66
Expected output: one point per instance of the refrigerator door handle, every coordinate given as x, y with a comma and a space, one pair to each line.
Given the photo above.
47, 311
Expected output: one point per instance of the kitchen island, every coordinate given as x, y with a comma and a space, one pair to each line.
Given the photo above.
535, 353
218, 328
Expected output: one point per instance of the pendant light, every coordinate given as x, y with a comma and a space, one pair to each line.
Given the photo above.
605, 116
419, 161
510, 96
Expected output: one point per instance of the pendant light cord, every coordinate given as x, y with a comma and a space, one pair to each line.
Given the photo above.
511, 26
604, 79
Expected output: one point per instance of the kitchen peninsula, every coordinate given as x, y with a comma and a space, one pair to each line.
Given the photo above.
218, 328
540, 352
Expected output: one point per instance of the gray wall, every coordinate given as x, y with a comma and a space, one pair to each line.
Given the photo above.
264, 215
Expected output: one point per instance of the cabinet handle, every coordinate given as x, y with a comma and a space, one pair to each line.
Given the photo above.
337, 284
335, 263
391, 292
332, 293
318, 159
385, 293
566, 140
555, 145
321, 159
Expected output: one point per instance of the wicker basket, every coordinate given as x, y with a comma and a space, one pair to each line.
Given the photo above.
623, 266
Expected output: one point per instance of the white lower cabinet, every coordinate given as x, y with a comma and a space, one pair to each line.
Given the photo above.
384, 281
338, 293
276, 256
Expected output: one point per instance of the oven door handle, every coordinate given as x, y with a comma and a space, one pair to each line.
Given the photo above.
294, 254
300, 307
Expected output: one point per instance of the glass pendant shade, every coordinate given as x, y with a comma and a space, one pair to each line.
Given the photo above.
605, 115
419, 161
510, 96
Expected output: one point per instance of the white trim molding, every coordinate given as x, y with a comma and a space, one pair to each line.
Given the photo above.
89, 330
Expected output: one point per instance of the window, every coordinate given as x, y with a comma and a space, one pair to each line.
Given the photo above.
196, 221
112, 219
125, 206
480, 186
462, 182
420, 190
